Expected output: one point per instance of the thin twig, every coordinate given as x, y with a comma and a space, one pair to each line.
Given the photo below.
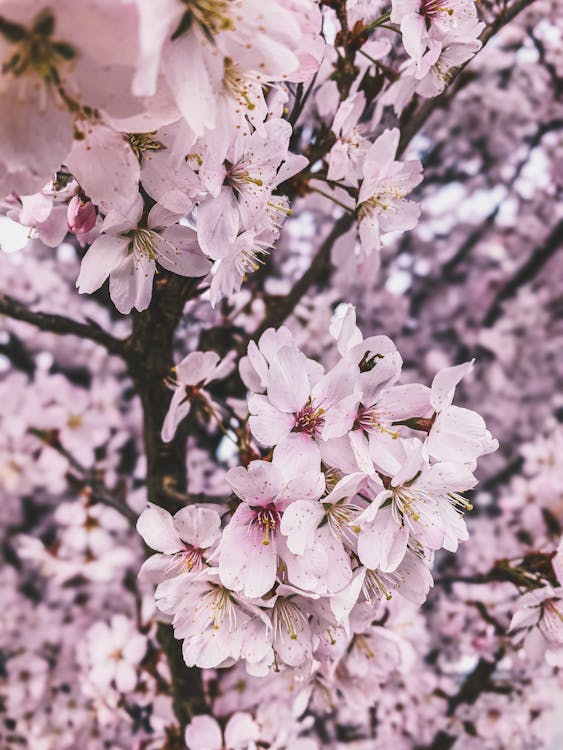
281, 307
86, 478
477, 682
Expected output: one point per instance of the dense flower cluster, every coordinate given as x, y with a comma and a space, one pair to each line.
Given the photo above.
349, 506
300, 493
166, 116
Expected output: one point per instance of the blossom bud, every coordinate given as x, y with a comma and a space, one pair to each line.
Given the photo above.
80, 215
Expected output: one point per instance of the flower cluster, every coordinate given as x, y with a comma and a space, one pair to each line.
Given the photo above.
165, 142
164, 110
300, 512
438, 36
348, 505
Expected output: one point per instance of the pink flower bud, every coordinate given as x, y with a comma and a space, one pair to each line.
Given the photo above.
80, 215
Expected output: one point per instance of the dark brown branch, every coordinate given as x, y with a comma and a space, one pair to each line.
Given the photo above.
149, 360
188, 698
477, 682
499, 628
86, 479
281, 307
60, 324
192, 498
525, 273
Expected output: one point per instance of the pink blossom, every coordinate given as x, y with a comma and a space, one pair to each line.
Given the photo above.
193, 373
115, 650
251, 544
204, 733
183, 541
382, 204
81, 215
128, 253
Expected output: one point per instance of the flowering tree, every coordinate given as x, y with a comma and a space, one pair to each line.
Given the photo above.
315, 246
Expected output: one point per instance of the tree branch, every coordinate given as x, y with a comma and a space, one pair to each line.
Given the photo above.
477, 682
525, 273
86, 478
60, 324
282, 307
150, 357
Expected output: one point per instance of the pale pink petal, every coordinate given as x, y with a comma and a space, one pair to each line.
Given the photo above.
103, 256
218, 223
125, 677
241, 731
157, 528
258, 484
180, 253
299, 524
288, 383
203, 733
180, 407
135, 648
267, 424
298, 456
382, 543
199, 527
247, 560
445, 382
197, 367
130, 283
106, 167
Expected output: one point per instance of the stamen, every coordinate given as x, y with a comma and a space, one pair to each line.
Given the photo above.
373, 587
218, 604
310, 420
289, 618
267, 520
235, 84
144, 243
142, 142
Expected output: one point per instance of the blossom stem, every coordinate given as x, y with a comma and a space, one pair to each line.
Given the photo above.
330, 198
377, 22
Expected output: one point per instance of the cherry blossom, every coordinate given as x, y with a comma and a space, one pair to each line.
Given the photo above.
382, 204
128, 252
195, 371
290, 479
116, 650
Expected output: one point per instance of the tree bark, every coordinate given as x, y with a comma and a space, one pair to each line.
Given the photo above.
150, 358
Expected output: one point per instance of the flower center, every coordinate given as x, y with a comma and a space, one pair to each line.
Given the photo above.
236, 85
249, 260
381, 201
339, 516
35, 50
74, 421
371, 420
288, 618
192, 558
267, 520
144, 243
431, 8
217, 604
142, 142
309, 420
374, 586
212, 17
